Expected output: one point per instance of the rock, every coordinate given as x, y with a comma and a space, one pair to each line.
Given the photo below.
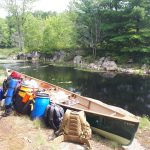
73, 146
77, 60
147, 72
109, 65
129, 70
29, 56
58, 56
93, 66
21, 56
135, 145
144, 67
101, 60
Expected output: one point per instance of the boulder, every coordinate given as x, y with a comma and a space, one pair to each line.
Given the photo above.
21, 56
93, 66
144, 67
109, 66
58, 56
100, 62
77, 60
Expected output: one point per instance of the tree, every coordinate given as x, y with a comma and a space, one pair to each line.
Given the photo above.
58, 33
33, 33
17, 9
88, 23
4, 33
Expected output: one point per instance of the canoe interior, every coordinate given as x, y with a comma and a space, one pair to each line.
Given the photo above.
67, 98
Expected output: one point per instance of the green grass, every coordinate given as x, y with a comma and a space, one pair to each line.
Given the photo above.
145, 122
4, 53
38, 123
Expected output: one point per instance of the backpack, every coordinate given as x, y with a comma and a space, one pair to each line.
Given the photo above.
21, 107
74, 128
23, 100
53, 116
6, 85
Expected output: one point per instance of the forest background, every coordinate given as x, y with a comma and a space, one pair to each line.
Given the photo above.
116, 28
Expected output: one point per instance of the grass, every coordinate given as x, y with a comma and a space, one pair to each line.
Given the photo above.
38, 123
145, 122
115, 145
6, 52
40, 140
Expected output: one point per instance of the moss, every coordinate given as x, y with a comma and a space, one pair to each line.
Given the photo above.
145, 122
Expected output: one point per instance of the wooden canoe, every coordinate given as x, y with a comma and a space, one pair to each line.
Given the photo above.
111, 122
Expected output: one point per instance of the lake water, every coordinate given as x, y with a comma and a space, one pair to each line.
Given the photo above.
126, 91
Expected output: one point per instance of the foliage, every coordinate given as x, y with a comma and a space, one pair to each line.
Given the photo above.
33, 33
145, 122
104, 24
58, 33
96, 25
4, 33
17, 10
5, 52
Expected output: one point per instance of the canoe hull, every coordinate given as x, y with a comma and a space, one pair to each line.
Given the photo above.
121, 131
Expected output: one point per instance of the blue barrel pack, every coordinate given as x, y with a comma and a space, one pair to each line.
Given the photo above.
12, 83
41, 102
1, 93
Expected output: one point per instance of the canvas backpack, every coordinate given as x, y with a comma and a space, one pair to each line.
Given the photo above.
53, 116
74, 128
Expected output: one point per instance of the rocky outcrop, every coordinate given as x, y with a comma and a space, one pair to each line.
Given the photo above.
58, 56
109, 66
21, 56
29, 56
77, 60
104, 63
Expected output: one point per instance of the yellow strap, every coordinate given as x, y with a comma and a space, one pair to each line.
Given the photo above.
31, 107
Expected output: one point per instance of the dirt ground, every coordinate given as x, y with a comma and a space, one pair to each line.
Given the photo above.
21, 133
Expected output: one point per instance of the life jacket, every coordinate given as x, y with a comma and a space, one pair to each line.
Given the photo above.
74, 128
23, 107
24, 99
53, 116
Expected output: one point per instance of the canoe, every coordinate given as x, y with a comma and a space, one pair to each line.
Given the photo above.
111, 122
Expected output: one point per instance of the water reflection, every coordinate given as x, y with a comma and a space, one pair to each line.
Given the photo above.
129, 92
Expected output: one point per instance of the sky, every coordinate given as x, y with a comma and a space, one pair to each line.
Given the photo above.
45, 5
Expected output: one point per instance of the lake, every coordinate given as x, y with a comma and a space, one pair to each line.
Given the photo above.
129, 92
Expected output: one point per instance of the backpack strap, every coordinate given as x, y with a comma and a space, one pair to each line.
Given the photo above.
46, 111
52, 109
59, 113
